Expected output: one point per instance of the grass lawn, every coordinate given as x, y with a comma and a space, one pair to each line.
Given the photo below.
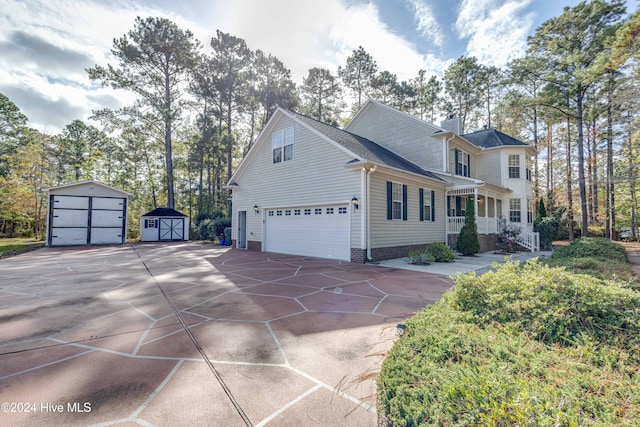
18, 244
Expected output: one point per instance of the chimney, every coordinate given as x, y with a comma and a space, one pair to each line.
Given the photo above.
453, 124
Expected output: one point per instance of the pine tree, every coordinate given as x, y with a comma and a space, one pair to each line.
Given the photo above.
468, 242
542, 211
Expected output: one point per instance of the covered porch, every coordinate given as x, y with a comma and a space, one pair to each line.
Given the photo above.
487, 206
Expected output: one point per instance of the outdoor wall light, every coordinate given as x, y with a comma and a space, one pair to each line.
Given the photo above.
256, 209
401, 327
355, 202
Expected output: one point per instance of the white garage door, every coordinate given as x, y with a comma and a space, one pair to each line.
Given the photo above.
319, 231
81, 220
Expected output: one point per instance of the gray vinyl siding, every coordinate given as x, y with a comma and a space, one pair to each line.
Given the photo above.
407, 136
489, 167
389, 233
317, 175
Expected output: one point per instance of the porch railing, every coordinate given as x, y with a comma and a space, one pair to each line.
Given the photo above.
530, 240
527, 239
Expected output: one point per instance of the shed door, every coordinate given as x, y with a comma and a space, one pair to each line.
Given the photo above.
319, 231
171, 228
81, 220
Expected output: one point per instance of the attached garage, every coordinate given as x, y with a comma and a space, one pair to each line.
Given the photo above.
317, 231
164, 224
86, 213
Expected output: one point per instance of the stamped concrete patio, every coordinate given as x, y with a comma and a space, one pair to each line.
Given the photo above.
190, 334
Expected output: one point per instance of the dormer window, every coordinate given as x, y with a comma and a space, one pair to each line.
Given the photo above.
460, 162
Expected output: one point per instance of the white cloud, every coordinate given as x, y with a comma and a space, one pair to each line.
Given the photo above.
497, 30
46, 45
427, 24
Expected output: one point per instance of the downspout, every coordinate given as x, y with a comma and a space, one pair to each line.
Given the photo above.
368, 208
445, 165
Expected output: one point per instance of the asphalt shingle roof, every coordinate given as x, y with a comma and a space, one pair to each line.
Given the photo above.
164, 212
365, 149
489, 138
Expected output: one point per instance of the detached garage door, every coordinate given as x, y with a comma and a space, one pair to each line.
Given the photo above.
81, 220
310, 231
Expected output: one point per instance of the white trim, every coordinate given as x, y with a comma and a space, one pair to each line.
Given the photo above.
89, 182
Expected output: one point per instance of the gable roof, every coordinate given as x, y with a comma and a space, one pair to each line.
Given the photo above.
87, 183
364, 148
491, 138
164, 212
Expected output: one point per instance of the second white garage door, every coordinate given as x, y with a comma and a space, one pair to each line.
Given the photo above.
319, 231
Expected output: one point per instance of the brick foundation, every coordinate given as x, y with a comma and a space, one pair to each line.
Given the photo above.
358, 255
254, 245
488, 242
393, 252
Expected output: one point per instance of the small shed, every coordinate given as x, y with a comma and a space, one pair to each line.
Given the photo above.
86, 213
164, 224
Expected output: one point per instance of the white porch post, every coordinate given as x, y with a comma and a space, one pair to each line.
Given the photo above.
475, 203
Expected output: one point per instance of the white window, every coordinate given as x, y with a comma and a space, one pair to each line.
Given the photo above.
515, 215
318, 211
278, 213
151, 223
329, 211
530, 211
528, 168
514, 166
426, 204
287, 212
307, 211
460, 162
296, 212
282, 145
397, 201
342, 210
270, 213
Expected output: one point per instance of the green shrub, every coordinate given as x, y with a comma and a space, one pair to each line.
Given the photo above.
592, 247
216, 228
596, 231
441, 252
525, 345
203, 230
433, 252
468, 242
548, 228
420, 257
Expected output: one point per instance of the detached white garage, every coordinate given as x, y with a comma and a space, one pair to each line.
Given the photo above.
317, 231
86, 213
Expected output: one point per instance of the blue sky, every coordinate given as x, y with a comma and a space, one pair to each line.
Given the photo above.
45, 45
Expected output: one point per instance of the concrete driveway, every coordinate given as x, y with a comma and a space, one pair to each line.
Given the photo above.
190, 334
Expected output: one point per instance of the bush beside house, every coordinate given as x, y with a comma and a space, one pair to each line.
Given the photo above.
468, 242
525, 345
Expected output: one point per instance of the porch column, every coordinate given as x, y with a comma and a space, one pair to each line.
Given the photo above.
475, 203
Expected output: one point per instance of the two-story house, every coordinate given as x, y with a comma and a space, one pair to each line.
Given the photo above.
388, 183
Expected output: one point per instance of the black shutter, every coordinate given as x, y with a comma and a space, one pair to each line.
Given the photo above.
405, 212
457, 166
421, 204
433, 205
389, 200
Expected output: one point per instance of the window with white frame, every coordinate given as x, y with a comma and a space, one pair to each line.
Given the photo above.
460, 162
427, 199
514, 166
528, 168
397, 201
529, 211
515, 214
282, 145
151, 223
